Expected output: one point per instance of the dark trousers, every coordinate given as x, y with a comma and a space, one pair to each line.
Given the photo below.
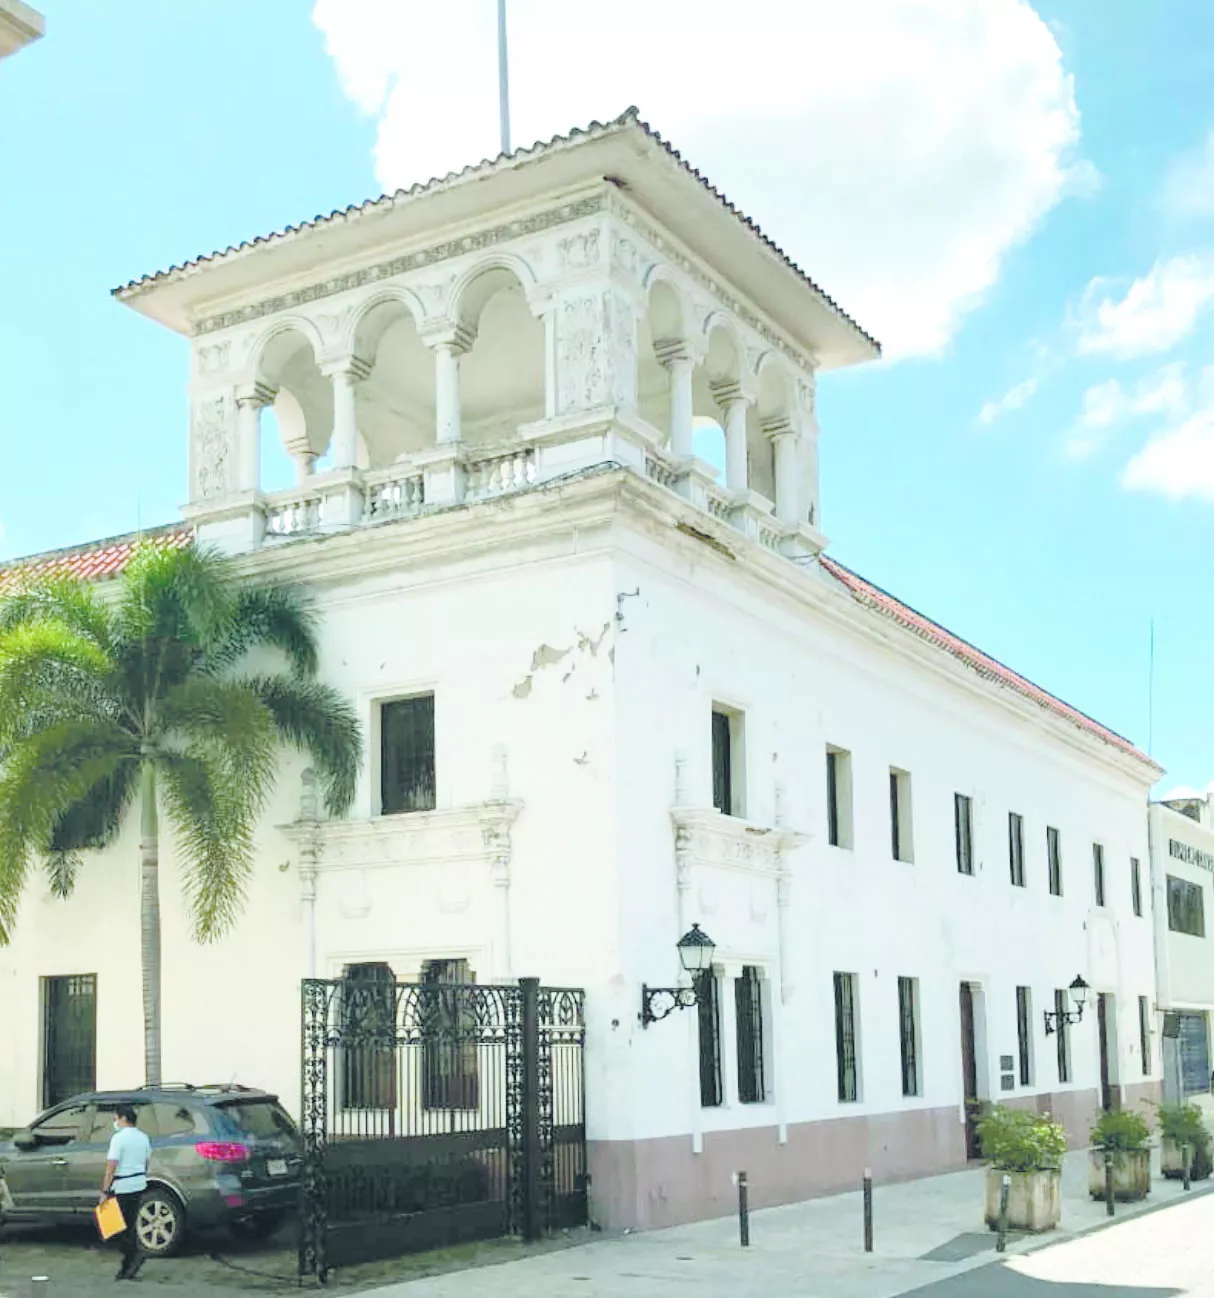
127, 1240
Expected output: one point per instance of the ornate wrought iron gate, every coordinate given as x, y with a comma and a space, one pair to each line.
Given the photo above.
437, 1112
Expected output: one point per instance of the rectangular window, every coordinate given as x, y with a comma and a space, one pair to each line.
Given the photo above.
728, 762
1062, 1033
69, 1034
406, 764
368, 1017
845, 1037
1186, 907
1053, 848
748, 1007
838, 797
1136, 885
1098, 873
901, 830
908, 1026
1144, 1034
963, 832
1015, 847
1024, 1038
708, 1011
448, 1013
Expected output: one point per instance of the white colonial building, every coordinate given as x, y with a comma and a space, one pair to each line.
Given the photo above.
19, 26
611, 692
1182, 877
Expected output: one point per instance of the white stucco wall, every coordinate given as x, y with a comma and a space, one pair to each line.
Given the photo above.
1186, 962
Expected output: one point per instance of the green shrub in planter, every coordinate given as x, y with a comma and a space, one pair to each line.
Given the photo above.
1019, 1140
1121, 1131
1182, 1126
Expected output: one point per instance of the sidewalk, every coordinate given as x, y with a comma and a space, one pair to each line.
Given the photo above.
924, 1231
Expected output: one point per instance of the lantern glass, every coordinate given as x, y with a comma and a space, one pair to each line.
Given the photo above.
1079, 993
696, 950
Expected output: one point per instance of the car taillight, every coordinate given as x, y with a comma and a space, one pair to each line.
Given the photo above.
222, 1151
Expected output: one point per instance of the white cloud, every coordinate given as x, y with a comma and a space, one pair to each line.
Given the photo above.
1157, 311
1012, 399
1188, 186
897, 149
1178, 459
1107, 405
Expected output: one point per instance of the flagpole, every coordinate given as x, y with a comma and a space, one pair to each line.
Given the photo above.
503, 76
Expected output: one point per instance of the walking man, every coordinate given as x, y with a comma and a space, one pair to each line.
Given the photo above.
126, 1178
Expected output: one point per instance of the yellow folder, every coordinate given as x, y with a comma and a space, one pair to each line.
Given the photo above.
109, 1218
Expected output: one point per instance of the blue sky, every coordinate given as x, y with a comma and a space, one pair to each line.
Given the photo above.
1021, 204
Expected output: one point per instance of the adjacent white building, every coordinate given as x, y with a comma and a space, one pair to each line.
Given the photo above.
1182, 876
610, 692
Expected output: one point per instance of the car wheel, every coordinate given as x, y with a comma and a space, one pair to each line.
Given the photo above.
159, 1223
262, 1226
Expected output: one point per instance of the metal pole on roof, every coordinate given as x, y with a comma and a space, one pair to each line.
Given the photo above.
1151, 693
503, 76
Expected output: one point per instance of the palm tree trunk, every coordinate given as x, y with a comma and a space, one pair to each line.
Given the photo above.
149, 920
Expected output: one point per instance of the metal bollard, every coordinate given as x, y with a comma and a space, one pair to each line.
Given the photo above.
743, 1210
868, 1210
1005, 1189
1108, 1181
1188, 1158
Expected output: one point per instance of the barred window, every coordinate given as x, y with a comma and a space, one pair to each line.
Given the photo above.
1015, 847
963, 828
1024, 1034
1062, 1034
708, 1010
908, 1024
368, 1016
1186, 907
407, 777
1053, 846
450, 1078
748, 1006
846, 1058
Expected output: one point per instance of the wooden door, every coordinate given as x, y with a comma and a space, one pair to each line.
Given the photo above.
969, 1073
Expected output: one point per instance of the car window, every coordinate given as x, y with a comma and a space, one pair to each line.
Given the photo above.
103, 1122
64, 1126
259, 1118
179, 1120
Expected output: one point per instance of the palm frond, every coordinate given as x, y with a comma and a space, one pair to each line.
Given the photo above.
41, 779
49, 671
61, 871
94, 819
170, 594
62, 600
214, 828
277, 616
318, 721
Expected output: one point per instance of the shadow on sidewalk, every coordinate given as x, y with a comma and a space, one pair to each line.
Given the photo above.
999, 1281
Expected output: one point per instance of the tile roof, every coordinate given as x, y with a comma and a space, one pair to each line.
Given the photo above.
95, 562
629, 119
873, 597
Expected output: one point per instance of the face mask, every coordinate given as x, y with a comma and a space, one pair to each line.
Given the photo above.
117, 1125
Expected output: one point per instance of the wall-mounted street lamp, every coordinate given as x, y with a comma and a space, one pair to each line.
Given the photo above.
1054, 1019
695, 950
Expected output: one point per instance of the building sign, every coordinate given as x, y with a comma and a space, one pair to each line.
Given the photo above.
1191, 855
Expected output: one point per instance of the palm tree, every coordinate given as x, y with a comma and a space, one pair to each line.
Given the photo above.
151, 697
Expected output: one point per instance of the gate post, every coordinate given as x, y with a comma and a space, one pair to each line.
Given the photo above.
532, 1223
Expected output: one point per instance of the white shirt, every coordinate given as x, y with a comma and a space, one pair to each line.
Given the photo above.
130, 1149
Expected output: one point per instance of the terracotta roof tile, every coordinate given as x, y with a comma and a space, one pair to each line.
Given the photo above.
96, 562
990, 668
631, 117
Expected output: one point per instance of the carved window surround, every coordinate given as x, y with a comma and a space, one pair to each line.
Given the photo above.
706, 837
475, 834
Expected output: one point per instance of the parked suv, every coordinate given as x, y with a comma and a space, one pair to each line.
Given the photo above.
222, 1156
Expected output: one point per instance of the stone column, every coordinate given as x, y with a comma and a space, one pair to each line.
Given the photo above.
680, 365
249, 401
344, 375
784, 453
448, 348
734, 406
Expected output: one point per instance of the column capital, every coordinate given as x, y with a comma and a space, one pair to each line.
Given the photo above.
354, 367
456, 338
255, 394
777, 426
727, 392
674, 352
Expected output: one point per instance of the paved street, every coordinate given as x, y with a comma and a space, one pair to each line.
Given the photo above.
929, 1239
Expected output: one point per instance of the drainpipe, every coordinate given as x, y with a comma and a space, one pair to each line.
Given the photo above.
308, 853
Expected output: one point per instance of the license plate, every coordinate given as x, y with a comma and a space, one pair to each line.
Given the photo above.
276, 1166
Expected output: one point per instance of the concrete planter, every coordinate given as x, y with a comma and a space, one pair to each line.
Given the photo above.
1034, 1201
1131, 1174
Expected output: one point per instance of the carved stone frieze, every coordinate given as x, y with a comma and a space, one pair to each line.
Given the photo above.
581, 354
578, 250
214, 359
726, 842
211, 447
490, 237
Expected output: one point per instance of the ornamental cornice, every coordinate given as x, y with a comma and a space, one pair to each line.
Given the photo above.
475, 834
707, 837
477, 241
